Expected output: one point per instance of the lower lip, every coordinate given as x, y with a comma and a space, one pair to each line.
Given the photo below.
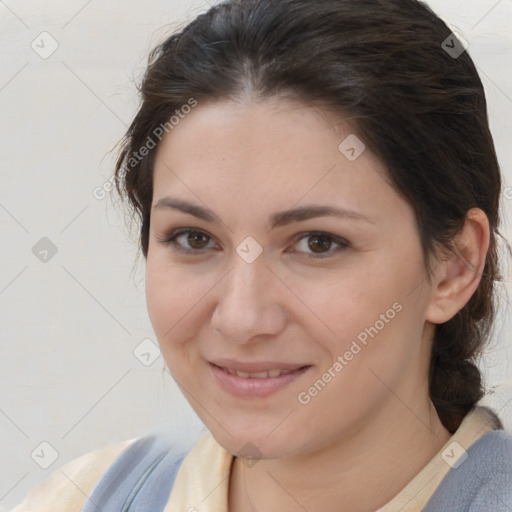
247, 387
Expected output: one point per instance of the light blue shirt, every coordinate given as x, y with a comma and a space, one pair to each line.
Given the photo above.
482, 483
141, 479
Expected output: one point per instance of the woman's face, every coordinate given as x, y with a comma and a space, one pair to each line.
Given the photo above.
301, 258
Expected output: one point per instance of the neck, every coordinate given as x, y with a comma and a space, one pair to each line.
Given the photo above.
361, 472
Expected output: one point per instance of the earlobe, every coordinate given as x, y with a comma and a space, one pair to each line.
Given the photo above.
458, 275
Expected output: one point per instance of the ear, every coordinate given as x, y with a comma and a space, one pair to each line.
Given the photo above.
457, 277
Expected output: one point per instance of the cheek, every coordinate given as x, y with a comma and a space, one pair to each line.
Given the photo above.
173, 295
384, 338
372, 316
351, 299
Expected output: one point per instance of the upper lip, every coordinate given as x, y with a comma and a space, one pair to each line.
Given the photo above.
255, 366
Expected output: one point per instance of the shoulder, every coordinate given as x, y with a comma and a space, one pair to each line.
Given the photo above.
67, 488
492, 468
495, 449
483, 479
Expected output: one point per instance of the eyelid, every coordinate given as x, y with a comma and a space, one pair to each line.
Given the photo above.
171, 239
342, 243
339, 241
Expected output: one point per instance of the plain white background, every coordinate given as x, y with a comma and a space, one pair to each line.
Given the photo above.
72, 323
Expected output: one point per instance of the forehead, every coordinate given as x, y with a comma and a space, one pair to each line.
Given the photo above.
272, 152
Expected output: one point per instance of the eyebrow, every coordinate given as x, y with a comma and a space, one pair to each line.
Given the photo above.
277, 219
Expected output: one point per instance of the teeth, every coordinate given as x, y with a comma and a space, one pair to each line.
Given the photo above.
258, 375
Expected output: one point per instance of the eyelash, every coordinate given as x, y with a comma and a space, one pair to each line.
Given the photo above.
171, 240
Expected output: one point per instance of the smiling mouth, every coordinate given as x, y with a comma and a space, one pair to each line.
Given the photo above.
265, 379
262, 373
258, 375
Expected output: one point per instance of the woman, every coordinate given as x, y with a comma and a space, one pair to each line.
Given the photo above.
318, 193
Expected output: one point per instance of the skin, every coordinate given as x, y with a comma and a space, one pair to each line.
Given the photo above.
363, 437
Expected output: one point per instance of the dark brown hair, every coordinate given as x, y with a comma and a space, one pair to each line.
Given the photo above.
417, 105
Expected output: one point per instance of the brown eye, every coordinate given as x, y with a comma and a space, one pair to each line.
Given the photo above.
189, 241
197, 240
319, 243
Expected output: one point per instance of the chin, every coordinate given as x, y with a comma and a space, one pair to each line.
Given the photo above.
246, 438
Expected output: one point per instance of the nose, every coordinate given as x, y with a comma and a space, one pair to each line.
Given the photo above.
249, 303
